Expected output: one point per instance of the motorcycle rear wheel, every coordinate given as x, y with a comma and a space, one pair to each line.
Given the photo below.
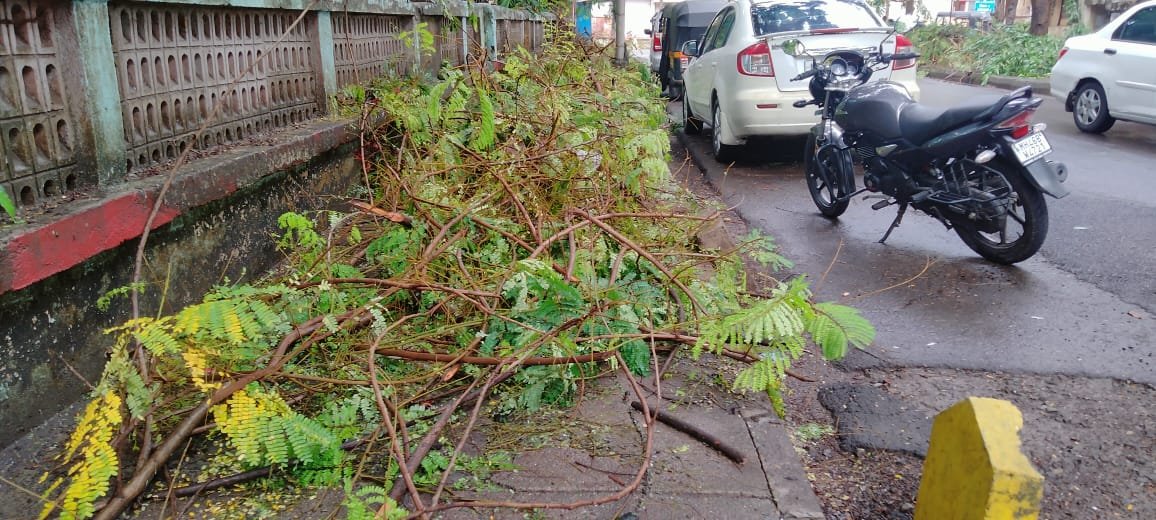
825, 191
1029, 213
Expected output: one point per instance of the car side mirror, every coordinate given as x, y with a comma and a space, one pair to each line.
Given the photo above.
690, 48
647, 32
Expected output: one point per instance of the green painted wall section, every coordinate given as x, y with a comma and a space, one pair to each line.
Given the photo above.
91, 20
328, 62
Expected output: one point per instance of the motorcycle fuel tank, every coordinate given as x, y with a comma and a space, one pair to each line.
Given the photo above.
873, 107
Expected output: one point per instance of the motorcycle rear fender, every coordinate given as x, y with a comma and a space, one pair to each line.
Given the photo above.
1047, 176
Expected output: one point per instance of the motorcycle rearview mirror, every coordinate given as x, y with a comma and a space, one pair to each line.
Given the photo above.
886, 37
690, 48
794, 48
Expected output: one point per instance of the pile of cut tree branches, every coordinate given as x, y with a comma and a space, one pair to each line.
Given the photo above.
517, 232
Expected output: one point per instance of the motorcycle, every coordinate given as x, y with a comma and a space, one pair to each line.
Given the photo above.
979, 168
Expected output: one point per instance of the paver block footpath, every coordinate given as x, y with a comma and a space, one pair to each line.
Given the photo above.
670, 507
607, 511
683, 464
565, 469
785, 474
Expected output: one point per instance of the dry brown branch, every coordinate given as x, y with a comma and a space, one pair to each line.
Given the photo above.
476, 360
694, 431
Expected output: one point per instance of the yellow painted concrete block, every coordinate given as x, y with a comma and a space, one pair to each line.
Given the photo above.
974, 468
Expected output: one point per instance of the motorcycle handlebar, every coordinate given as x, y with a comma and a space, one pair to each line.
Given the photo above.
805, 75
887, 58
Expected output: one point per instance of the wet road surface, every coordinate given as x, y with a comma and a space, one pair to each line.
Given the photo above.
1086, 305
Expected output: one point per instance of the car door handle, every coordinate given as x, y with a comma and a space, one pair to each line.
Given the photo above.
1110, 51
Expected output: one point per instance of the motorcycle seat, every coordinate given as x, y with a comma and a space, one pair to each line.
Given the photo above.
919, 123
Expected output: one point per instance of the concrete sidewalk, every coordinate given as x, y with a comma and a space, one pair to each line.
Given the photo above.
686, 478
595, 452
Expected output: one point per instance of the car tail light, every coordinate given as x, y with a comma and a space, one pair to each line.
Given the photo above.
902, 45
755, 60
1019, 124
1063, 51
656, 43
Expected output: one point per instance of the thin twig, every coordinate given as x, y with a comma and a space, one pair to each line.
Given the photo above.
830, 265
927, 265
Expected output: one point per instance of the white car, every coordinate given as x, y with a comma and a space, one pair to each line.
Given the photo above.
742, 86
655, 34
1111, 73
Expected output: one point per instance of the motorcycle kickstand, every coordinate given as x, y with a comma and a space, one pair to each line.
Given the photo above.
895, 223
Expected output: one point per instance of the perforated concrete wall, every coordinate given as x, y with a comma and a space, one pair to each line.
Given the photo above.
96, 94
36, 131
180, 68
367, 46
187, 75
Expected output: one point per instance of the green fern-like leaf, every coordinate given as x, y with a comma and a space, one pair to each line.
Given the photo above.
105, 301
433, 106
765, 321
637, 356
363, 503
765, 375
486, 134
89, 476
833, 327
263, 430
7, 205
154, 335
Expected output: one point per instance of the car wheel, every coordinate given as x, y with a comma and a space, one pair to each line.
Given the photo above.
1090, 111
724, 153
690, 124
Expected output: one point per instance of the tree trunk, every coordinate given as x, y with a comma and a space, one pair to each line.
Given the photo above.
1009, 11
620, 31
1041, 15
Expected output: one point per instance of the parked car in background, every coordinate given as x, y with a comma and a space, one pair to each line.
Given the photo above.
655, 34
1111, 73
741, 85
680, 23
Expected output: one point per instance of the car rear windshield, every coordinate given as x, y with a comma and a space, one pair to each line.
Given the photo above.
778, 16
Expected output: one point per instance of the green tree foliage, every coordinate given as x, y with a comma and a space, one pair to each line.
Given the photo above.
7, 205
1004, 50
522, 227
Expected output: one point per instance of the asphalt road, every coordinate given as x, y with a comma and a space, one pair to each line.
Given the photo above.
1086, 305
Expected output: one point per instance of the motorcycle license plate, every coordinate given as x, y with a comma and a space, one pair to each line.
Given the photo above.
1031, 148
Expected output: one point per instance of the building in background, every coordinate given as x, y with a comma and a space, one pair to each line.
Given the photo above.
638, 14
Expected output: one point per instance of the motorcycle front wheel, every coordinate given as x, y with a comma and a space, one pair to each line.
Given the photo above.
1022, 230
823, 185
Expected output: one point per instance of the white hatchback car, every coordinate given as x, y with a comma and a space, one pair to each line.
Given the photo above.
1111, 73
742, 86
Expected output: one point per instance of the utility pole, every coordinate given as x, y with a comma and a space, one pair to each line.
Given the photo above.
620, 31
